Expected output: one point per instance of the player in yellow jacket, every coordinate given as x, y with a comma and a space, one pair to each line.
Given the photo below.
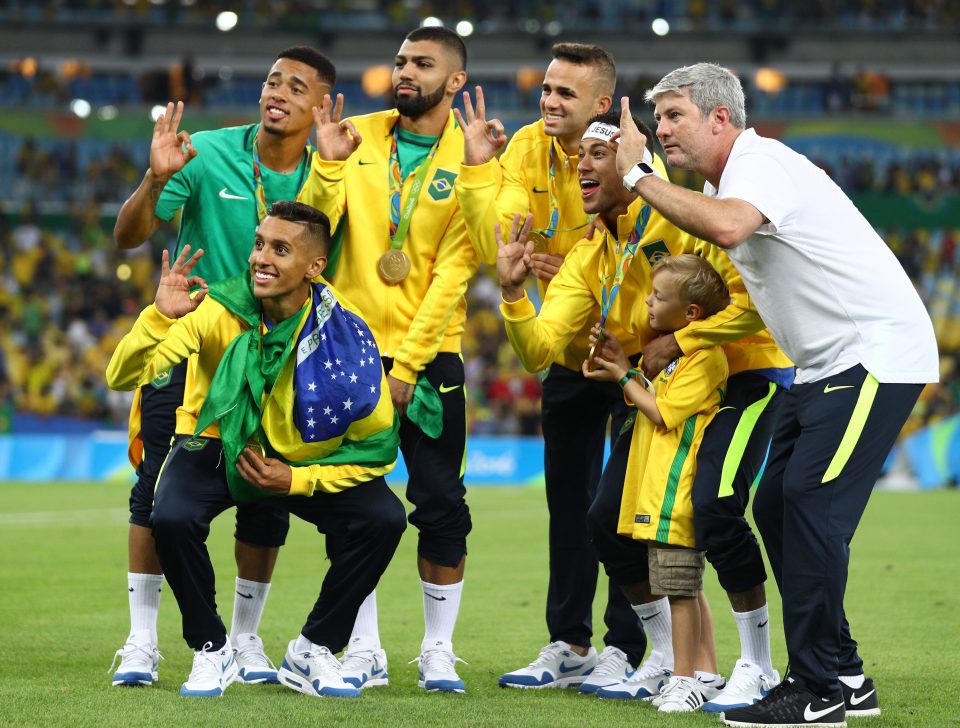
590, 274
284, 396
386, 182
537, 173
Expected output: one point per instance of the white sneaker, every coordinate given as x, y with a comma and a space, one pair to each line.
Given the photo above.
314, 672
557, 666
709, 689
747, 685
612, 669
644, 684
212, 672
681, 695
437, 672
255, 666
364, 665
139, 659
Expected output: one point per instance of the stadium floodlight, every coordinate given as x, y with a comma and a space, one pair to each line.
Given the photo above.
660, 26
80, 107
431, 22
156, 111
464, 28
553, 28
227, 20
124, 271
108, 112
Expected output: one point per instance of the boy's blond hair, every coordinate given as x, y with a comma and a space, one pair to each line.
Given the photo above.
697, 280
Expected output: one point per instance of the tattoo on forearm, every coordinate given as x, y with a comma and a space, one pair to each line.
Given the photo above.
155, 189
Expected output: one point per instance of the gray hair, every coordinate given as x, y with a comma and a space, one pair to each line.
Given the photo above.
710, 86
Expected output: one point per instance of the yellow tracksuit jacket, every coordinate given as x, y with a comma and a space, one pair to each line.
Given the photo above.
425, 313
157, 343
572, 303
519, 182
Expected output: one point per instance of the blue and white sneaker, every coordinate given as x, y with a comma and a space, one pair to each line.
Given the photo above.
139, 659
644, 684
557, 666
314, 672
748, 684
612, 669
255, 666
212, 672
437, 671
364, 664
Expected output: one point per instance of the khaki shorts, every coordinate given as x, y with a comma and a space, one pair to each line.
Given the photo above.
675, 572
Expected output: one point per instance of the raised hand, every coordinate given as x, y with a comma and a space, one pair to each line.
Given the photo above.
336, 139
514, 256
482, 139
170, 150
632, 143
173, 294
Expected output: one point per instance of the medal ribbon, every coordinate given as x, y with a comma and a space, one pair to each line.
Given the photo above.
551, 229
624, 257
400, 223
259, 193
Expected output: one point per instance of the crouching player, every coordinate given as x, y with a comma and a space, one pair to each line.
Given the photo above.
657, 501
286, 398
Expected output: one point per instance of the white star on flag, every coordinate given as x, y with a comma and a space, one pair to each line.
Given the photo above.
348, 404
353, 379
327, 410
370, 359
338, 362
333, 420
312, 386
311, 422
309, 410
373, 389
328, 364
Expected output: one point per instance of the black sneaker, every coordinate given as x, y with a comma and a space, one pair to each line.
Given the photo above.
789, 704
862, 702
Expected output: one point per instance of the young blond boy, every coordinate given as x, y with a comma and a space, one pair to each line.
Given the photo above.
678, 405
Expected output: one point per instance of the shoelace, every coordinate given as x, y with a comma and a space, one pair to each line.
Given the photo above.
129, 649
429, 660
250, 650
611, 661
357, 659
324, 660
743, 679
678, 691
646, 671
550, 652
206, 664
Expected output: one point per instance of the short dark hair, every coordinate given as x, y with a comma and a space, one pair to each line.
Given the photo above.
584, 54
313, 58
612, 118
445, 37
317, 223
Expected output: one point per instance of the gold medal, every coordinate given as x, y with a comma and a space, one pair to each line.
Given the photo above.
393, 266
590, 357
254, 444
539, 240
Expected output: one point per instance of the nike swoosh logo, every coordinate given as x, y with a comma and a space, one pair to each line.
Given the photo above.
439, 599
564, 668
829, 388
375, 672
444, 388
304, 670
644, 619
725, 408
227, 196
762, 624
245, 596
809, 714
857, 699
363, 164
129, 588
538, 191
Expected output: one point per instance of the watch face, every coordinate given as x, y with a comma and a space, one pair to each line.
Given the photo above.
645, 168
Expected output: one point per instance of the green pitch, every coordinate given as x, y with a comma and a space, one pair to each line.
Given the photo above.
63, 612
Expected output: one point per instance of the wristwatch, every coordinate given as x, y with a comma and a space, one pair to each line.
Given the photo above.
637, 172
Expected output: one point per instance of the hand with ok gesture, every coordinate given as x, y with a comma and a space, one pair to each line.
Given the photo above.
482, 139
336, 139
173, 294
170, 150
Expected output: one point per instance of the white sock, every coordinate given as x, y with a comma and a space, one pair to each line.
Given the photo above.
441, 604
302, 644
248, 604
853, 681
366, 627
655, 620
709, 678
754, 629
143, 591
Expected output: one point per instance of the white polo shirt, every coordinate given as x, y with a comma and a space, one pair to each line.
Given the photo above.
829, 289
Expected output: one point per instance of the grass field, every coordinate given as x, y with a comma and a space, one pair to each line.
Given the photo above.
63, 612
